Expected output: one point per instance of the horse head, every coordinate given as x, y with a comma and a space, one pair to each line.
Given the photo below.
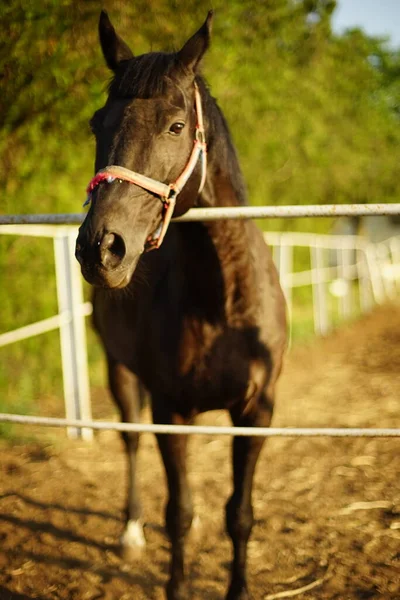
150, 154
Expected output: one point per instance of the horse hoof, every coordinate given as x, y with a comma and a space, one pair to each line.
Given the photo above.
196, 529
133, 541
235, 593
176, 592
130, 554
240, 596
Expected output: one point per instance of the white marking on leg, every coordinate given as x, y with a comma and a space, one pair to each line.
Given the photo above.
133, 535
196, 531
196, 523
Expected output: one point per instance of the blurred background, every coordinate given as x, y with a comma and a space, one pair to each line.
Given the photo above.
311, 91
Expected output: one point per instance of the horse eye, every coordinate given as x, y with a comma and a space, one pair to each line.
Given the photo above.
177, 128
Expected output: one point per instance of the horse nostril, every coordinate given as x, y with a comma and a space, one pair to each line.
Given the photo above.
112, 250
114, 244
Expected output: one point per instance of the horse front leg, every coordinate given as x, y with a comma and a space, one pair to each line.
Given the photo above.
239, 508
179, 509
129, 396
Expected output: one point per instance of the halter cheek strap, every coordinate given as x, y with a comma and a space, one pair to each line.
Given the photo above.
166, 193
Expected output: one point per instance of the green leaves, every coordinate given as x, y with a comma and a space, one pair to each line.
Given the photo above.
314, 115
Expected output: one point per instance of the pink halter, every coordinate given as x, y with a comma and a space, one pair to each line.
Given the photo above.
167, 193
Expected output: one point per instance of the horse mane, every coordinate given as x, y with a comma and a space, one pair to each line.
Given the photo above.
142, 76
146, 76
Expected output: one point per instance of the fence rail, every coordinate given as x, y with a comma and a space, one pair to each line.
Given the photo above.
373, 261
231, 212
205, 429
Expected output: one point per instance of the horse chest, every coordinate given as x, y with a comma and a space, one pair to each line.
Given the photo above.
214, 367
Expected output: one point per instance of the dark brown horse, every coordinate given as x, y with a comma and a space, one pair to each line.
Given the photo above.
201, 321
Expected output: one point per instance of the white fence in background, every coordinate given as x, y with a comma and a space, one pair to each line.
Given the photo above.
70, 320
338, 260
335, 260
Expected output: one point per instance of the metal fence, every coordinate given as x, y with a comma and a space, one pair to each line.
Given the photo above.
70, 321
341, 261
375, 267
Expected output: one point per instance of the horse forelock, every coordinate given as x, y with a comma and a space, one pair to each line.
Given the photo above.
144, 76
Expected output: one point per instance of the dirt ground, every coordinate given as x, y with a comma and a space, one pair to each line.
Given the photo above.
327, 510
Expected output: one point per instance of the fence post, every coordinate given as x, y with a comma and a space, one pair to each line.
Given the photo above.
384, 257
72, 334
284, 262
395, 254
283, 258
344, 262
378, 289
364, 281
276, 249
320, 308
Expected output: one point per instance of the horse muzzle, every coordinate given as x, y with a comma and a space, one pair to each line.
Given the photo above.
103, 260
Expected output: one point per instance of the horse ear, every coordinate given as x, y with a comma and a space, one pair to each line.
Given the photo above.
114, 48
192, 52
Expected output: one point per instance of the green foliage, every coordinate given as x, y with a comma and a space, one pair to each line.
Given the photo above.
315, 117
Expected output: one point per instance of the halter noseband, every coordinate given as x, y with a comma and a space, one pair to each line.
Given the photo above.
167, 193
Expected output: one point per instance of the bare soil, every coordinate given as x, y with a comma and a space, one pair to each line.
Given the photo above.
327, 510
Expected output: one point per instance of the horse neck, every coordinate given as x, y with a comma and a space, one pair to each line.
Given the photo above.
220, 248
224, 183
